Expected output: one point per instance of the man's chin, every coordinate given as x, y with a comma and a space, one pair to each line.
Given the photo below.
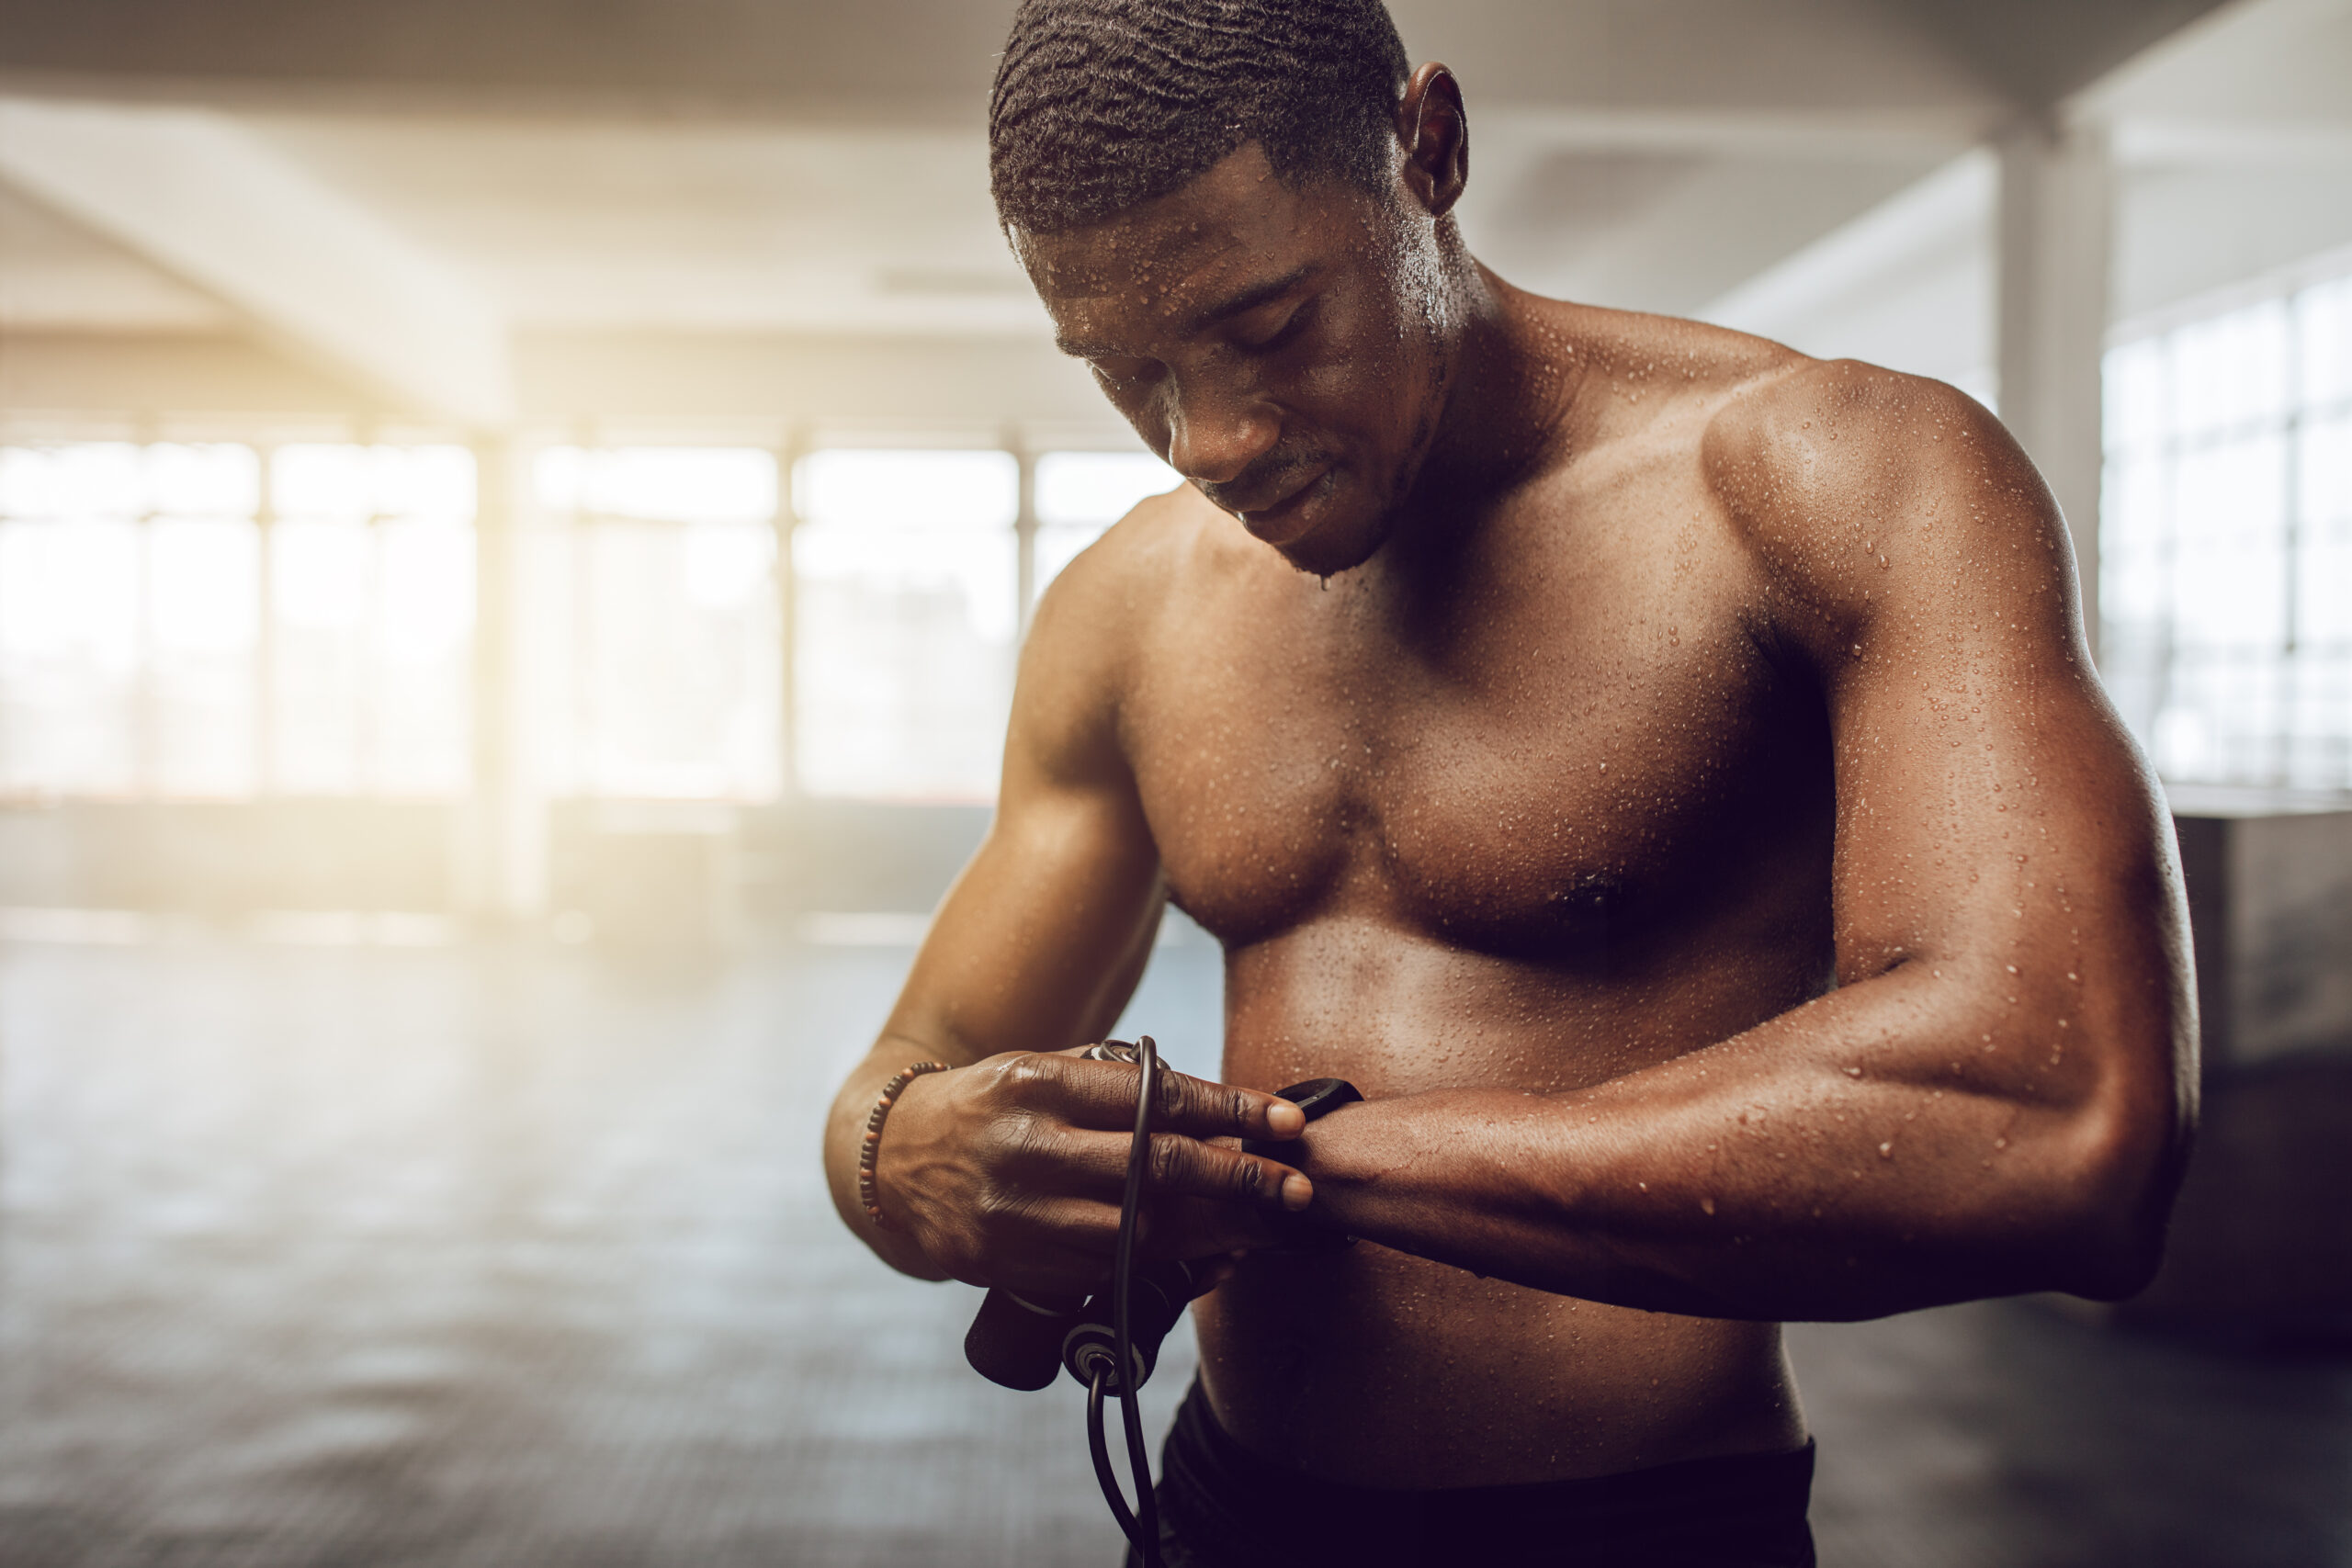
1319, 532
1342, 544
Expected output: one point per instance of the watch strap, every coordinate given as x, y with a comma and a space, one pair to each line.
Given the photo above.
1318, 1098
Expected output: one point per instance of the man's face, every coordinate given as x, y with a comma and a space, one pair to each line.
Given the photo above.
1282, 348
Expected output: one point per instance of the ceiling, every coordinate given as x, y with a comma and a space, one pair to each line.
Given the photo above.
2233, 138
347, 178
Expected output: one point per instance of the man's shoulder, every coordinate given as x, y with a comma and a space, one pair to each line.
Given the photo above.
1840, 486
1766, 415
1673, 354
1789, 445
1835, 422
1815, 463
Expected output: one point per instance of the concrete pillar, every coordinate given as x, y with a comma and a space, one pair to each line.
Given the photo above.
2056, 247
788, 606
146, 700
504, 865
1025, 537
266, 627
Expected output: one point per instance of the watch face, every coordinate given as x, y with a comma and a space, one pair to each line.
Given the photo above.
1316, 1096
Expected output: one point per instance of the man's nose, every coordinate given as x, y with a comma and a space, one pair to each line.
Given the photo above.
1214, 437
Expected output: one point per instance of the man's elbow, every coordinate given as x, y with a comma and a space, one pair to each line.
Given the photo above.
2112, 1201
2114, 1260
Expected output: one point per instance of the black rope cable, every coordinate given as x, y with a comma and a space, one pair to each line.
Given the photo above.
1104, 1476
1142, 1526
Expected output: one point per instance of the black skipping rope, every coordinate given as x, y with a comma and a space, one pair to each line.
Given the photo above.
1141, 1525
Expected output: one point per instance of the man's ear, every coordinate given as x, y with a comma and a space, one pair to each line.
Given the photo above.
1435, 134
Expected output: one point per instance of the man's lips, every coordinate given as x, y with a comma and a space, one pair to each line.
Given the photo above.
1267, 519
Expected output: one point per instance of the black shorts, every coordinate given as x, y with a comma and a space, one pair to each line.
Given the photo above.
1222, 1506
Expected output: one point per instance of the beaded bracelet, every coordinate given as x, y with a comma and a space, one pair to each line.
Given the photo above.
866, 1191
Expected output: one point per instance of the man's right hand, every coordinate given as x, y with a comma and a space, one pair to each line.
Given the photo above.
1010, 1171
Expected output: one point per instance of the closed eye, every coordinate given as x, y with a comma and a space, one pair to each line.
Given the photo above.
1295, 324
1119, 372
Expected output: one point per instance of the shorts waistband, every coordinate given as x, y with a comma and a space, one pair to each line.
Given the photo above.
1228, 1505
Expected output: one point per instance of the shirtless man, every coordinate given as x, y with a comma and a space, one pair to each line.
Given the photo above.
1663, 772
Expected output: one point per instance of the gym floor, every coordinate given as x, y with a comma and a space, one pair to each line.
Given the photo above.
518, 1256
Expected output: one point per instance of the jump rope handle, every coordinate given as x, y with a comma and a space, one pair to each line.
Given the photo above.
1110, 1341
1015, 1341
1021, 1341
1100, 1348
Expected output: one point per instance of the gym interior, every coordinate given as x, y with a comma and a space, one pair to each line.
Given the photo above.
516, 520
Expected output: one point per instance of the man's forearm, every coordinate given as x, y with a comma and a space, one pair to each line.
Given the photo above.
1847, 1159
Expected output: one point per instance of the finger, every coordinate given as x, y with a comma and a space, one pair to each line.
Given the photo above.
1203, 1109
1176, 1165
1074, 1240
1057, 1244
1103, 1095
1182, 1167
1196, 1227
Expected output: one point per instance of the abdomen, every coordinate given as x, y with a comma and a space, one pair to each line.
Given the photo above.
1380, 1369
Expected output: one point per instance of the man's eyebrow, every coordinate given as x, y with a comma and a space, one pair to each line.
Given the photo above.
1208, 316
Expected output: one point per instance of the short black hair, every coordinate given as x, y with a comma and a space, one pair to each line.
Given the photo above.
1102, 104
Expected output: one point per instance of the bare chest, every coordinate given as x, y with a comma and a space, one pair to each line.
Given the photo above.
1534, 763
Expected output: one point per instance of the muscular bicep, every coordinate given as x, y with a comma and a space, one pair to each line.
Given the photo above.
1042, 937
1996, 829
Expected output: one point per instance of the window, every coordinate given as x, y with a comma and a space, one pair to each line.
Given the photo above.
2226, 541
906, 567
372, 568
158, 638
663, 635
225, 621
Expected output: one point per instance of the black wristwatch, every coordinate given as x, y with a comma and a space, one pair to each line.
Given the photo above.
1317, 1097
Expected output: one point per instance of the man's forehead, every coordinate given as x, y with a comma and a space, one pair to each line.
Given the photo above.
1126, 254
1230, 230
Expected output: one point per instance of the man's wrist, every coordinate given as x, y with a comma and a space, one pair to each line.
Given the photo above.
1310, 1231
869, 1146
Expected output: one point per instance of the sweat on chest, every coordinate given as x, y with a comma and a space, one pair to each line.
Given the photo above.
1497, 832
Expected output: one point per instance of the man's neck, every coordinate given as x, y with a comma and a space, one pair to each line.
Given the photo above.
1507, 400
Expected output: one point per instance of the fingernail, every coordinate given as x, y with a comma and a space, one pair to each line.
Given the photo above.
1297, 1192
1285, 1120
